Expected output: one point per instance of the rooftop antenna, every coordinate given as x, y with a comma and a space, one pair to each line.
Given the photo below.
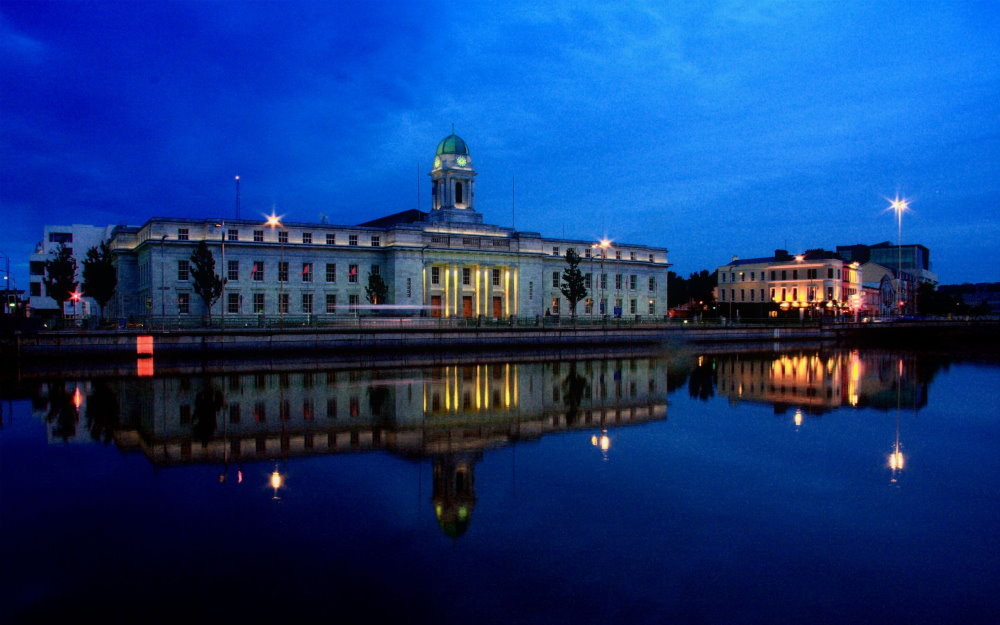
452, 127
237, 196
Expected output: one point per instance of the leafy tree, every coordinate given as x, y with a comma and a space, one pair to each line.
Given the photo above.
207, 403
60, 275
574, 386
206, 283
573, 286
377, 291
99, 276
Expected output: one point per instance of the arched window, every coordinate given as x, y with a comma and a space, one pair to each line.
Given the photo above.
458, 192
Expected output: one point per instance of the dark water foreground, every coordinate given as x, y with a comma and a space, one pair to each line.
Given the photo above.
811, 485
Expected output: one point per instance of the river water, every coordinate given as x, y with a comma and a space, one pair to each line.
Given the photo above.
765, 486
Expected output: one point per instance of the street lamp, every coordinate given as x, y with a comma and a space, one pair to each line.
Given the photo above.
899, 206
602, 245
274, 221
224, 271
75, 297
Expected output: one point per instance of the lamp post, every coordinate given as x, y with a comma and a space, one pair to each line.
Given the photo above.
899, 206
274, 221
224, 271
163, 300
602, 245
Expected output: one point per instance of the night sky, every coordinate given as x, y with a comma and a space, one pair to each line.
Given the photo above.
710, 128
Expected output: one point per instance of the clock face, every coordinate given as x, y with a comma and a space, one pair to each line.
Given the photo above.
437, 162
462, 161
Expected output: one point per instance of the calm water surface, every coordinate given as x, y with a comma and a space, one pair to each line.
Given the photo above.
759, 487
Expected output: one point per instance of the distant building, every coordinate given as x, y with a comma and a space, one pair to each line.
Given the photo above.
910, 266
445, 262
981, 293
78, 238
814, 283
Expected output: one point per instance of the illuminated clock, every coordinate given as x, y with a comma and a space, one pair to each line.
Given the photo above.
437, 162
462, 161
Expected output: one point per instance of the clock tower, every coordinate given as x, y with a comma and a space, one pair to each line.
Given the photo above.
453, 183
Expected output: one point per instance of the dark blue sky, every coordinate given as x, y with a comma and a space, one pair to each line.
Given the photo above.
709, 128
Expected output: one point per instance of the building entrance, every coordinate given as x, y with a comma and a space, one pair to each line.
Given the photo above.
466, 306
435, 305
497, 306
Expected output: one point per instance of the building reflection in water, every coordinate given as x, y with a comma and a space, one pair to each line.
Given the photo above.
450, 415
814, 383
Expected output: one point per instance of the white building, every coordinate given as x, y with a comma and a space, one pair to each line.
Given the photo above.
78, 238
447, 263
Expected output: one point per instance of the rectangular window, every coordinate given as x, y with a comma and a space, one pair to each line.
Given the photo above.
353, 301
555, 305
633, 282
282, 271
258, 303
282, 236
307, 237
352, 239
331, 272
722, 276
307, 272
496, 277
829, 293
555, 251
795, 274
331, 238
555, 279
772, 295
376, 241
283, 303
652, 258
466, 276
257, 273
652, 283
233, 235
435, 275
618, 254
631, 255
588, 279
618, 281
37, 268
784, 294
586, 253
652, 307
772, 274
352, 274
183, 303
233, 303
35, 289
331, 303
743, 295
307, 303
409, 287
233, 270
762, 295
258, 236
60, 237
234, 412
632, 309
588, 306
604, 280
183, 270
829, 273
784, 274
183, 234
751, 295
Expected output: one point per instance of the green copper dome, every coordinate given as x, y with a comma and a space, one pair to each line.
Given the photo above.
452, 144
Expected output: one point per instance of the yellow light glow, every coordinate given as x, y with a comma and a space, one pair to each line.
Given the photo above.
798, 418
898, 205
77, 398
896, 460
593, 440
277, 481
605, 442
274, 221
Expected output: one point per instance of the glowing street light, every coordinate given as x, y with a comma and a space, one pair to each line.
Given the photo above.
276, 482
274, 221
899, 206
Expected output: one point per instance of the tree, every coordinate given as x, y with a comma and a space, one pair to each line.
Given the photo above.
377, 291
60, 275
573, 286
206, 283
99, 276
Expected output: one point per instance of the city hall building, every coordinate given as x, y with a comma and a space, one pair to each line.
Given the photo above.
443, 263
